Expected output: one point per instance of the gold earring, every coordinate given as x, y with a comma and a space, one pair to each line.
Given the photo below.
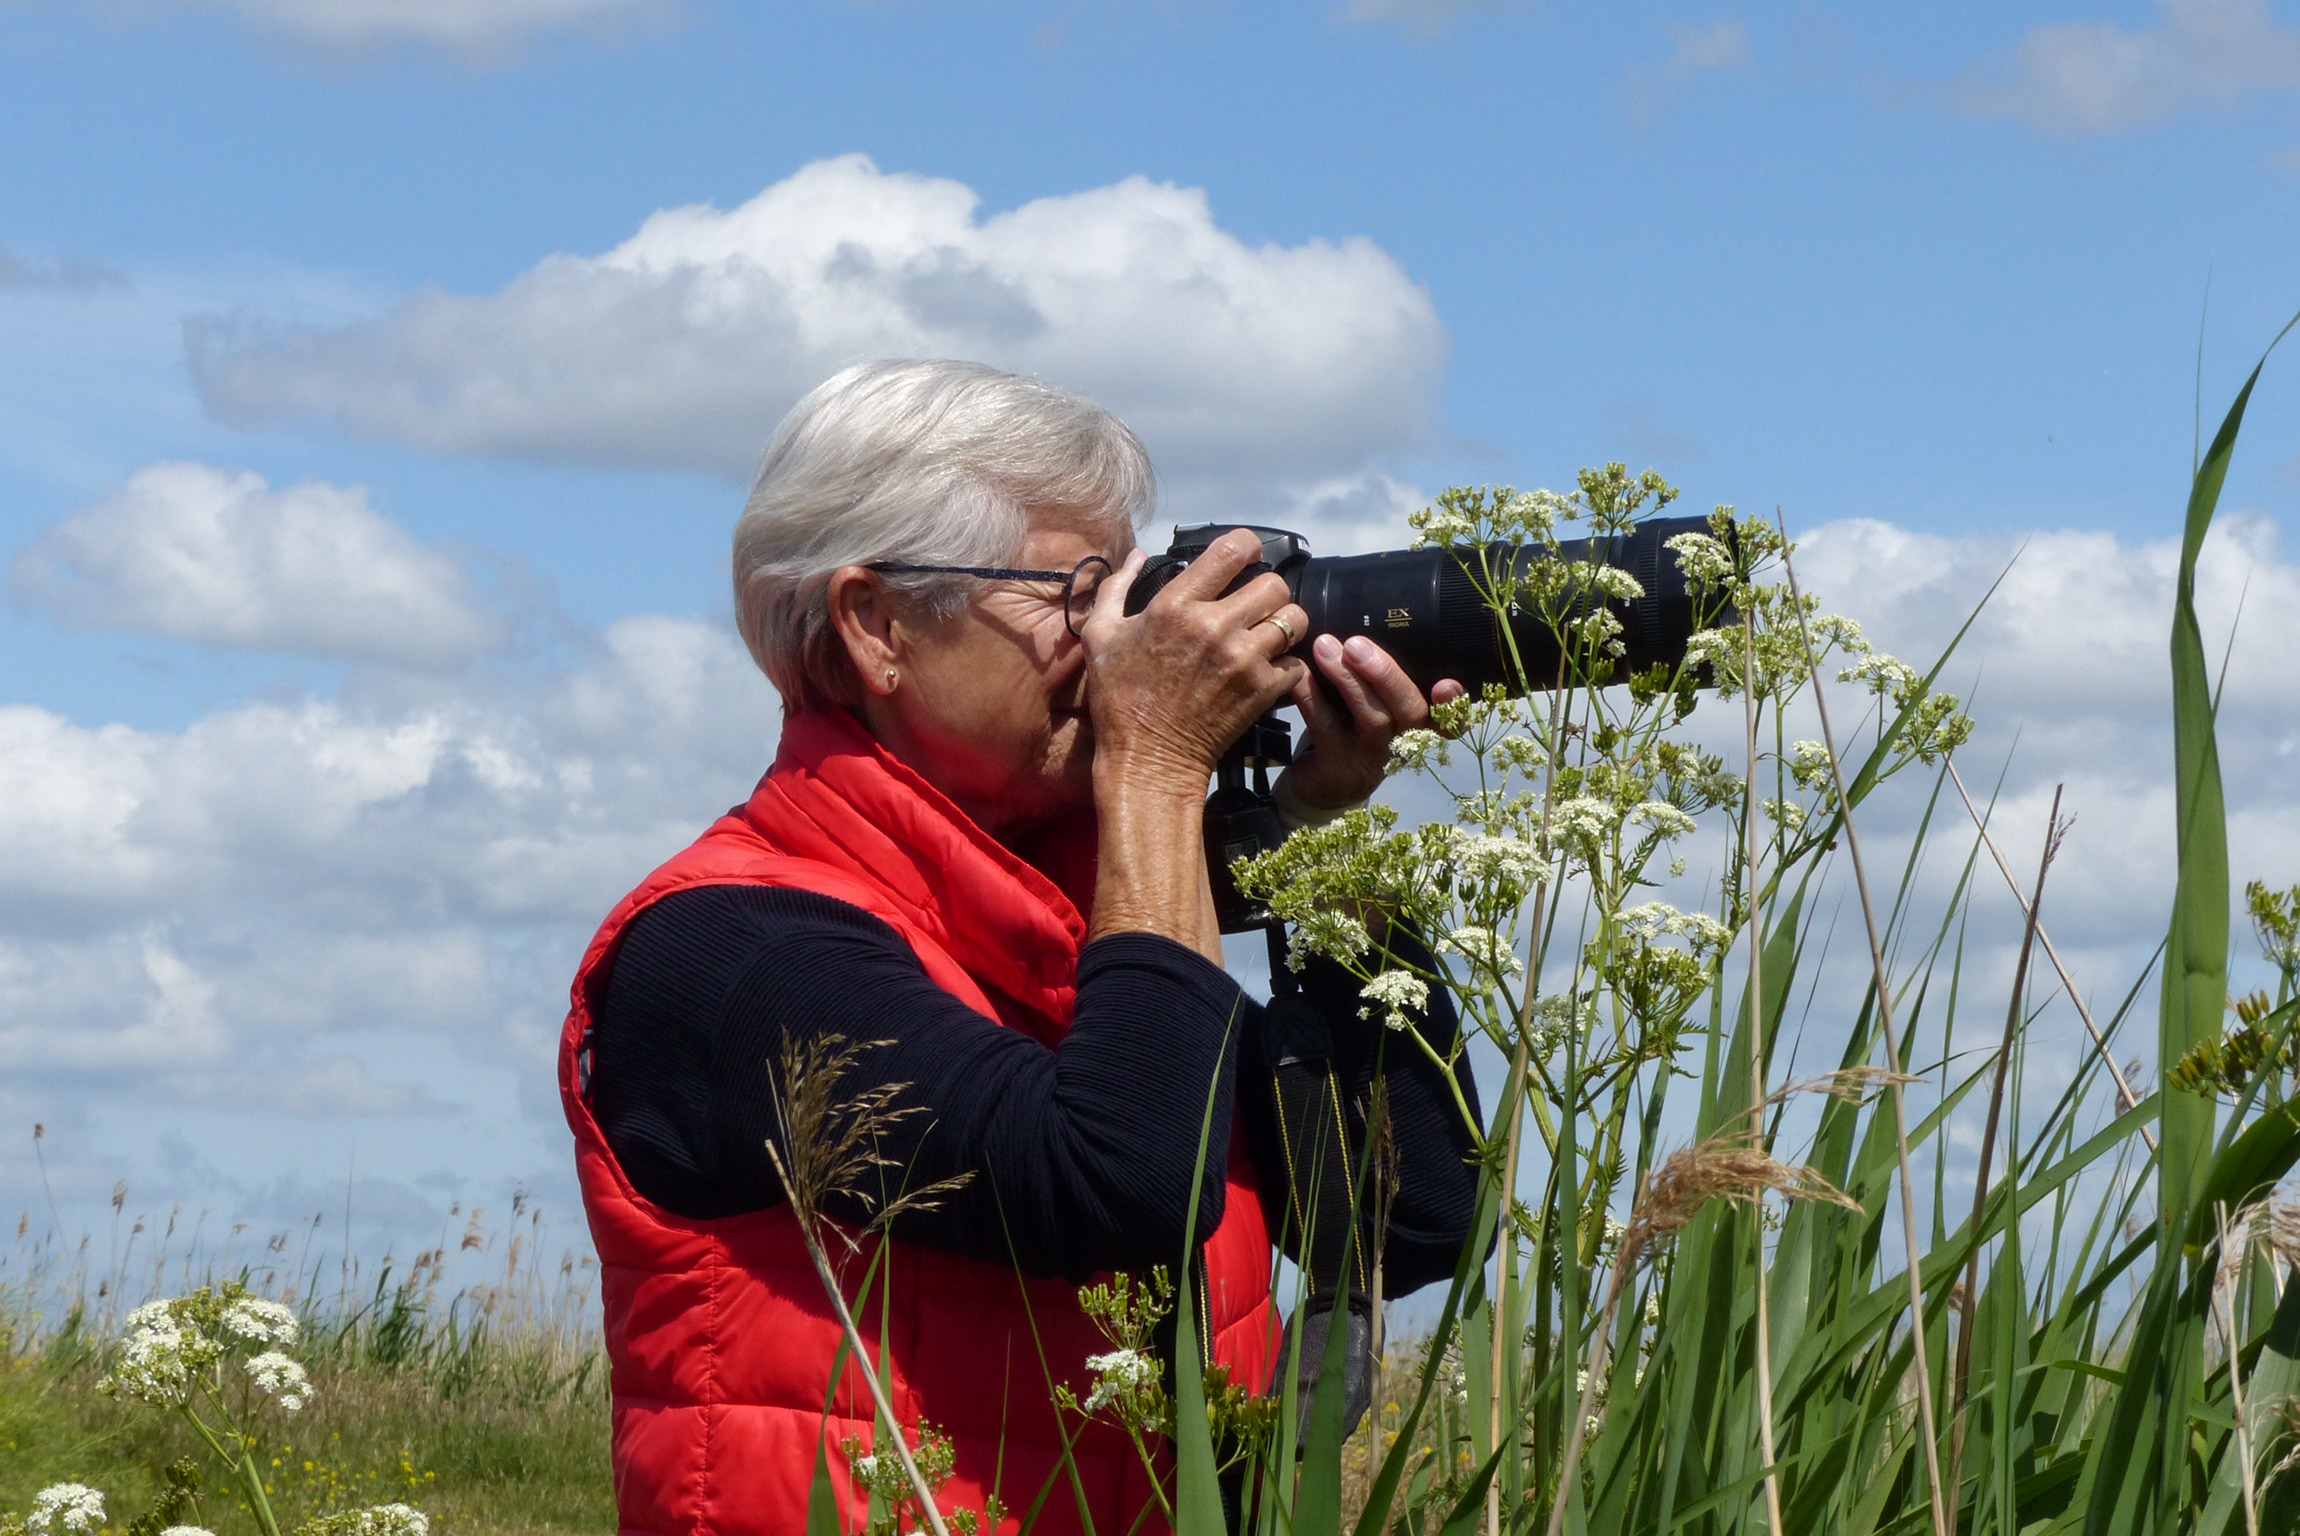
890, 679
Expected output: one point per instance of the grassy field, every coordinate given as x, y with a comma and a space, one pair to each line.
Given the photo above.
486, 1408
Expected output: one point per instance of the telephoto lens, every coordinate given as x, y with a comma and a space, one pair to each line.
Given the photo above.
1423, 607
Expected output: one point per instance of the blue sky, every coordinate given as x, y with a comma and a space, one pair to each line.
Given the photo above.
367, 456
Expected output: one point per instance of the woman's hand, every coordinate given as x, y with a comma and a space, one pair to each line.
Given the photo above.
1346, 750
1171, 687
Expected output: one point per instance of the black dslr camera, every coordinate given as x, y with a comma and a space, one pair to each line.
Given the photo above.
1420, 606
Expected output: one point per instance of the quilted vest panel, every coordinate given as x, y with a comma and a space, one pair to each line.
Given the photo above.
719, 1339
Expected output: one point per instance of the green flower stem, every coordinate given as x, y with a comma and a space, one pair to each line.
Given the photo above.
239, 1458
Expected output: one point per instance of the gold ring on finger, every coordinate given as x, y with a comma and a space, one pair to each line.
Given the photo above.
1284, 629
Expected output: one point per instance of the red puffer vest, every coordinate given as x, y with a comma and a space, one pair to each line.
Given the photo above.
719, 1340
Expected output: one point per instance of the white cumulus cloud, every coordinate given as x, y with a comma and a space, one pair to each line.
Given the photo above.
2067, 672
218, 557
683, 345
245, 894
2097, 77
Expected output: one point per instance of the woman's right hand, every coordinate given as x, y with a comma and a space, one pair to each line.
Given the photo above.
1172, 687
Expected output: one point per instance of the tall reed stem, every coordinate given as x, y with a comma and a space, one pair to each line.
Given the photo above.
2126, 1098
2225, 1315
1927, 1430
830, 1283
1520, 1074
1757, 1075
1969, 1309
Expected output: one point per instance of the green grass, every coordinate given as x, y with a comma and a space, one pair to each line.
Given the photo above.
506, 1435
486, 1410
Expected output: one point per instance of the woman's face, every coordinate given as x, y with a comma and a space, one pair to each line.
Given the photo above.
990, 706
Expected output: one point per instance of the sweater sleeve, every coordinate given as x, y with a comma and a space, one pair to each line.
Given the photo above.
1074, 1159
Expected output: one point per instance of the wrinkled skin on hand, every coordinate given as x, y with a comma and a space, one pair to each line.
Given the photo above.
1173, 686
1347, 750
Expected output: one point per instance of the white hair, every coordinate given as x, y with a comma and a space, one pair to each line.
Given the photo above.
924, 463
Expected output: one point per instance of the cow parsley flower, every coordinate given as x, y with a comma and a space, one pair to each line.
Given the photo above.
1704, 559
1560, 1016
1583, 820
1435, 526
393, 1520
1810, 765
1717, 649
1394, 992
187, 1530
1412, 751
1658, 919
280, 1379
162, 1355
261, 1322
1665, 819
1884, 676
1531, 517
1512, 864
1611, 581
66, 1509
1482, 946
1118, 1377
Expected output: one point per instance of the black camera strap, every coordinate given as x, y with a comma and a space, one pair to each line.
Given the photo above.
1313, 1136
1322, 1151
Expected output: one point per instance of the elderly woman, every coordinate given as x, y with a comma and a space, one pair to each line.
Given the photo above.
977, 861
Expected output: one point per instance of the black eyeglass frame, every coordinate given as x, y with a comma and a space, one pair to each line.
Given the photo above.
1069, 578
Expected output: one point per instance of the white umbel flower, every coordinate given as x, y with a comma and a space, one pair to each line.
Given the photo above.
1512, 860
1117, 1375
1612, 581
1482, 946
1657, 918
261, 1322
187, 1530
1584, 819
1412, 750
281, 1379
1662, 817
66, 1509
375, 1520
1885, 676
1702, 557
1394, 992
161, 1355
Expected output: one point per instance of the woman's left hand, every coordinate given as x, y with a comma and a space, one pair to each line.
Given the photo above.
1346, 752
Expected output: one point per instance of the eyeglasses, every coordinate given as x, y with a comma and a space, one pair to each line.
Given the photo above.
1079, 583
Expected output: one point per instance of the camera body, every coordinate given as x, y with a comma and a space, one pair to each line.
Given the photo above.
1421, 606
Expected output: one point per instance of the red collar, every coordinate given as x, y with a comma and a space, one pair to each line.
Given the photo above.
835, 796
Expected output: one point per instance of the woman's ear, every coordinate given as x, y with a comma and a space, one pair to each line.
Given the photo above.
865, 620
